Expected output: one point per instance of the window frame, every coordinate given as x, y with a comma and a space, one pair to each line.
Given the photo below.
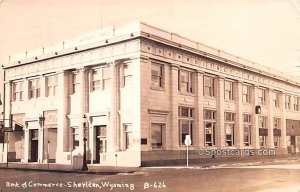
209, 131
209, 87
246, 96
247, 122
229, 121
34, 92
162, 132
160, 76
187, 83
228, 91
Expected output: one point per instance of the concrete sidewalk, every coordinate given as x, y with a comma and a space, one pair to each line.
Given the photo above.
113, 170
93, 169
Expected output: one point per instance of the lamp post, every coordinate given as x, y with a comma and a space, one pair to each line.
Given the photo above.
2, 137
84, 164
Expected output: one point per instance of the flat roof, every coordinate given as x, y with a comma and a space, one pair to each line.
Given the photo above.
140, 29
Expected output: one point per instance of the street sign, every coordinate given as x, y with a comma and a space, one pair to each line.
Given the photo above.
187, 140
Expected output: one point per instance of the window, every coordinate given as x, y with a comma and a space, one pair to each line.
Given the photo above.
209, 86
51, 85
262, 141
127, 76
106, 77
276, 99
261, 96
18, 91
229, 128
157, 135
247, 123
157, 75
96, 79
101, 78
34, 88
228, 90
262, 122
296, 103
263, 132
186, 119
287, 102
75, 137
75, 82
128, 136
185, 81
276, 131
210, 126
246, 94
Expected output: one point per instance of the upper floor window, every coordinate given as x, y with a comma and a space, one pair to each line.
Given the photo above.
34, 88
288, 102
276, 99
18, 91
75, 82
101, 78
261, 96
228, 90
296, 103
157, 75
51, 85
246, 94
209, 86
185, 81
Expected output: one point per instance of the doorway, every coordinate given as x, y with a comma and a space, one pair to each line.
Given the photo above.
34, 145
101, 144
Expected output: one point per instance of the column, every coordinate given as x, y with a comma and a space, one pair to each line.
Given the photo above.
220, 130
270, 124
282, 143
255, 129
199, 110
239, 128
83, 98
173, 139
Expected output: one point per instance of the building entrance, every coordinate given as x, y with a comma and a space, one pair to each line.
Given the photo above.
34, 145
101, 144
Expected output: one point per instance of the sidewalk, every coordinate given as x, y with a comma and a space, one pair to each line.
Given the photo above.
113, 170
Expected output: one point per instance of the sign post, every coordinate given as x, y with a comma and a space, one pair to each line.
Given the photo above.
187, 143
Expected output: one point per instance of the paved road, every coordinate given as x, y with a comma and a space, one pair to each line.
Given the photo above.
243, 179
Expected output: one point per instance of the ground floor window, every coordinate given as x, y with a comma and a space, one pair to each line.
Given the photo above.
186, 128
276, 141
229, 130
262, 141
128, 136
157, 130
247, 135
209, 133
75, 137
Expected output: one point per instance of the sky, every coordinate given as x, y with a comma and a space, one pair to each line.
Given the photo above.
264, 31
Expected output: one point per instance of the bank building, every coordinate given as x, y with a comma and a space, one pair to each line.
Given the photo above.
132, 93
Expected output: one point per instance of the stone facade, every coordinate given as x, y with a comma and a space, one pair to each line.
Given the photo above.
135, 92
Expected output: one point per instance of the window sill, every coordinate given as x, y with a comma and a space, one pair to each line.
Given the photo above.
187, 94
158, 88
210, 97
229, 101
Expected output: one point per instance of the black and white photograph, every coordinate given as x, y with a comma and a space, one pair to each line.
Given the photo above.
150, 96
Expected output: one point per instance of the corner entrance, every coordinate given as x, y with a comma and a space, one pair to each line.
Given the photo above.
34, 145
101, 143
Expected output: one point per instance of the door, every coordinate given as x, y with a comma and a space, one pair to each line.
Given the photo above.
34, 145
101, 144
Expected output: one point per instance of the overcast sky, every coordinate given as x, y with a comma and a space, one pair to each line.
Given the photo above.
264, 31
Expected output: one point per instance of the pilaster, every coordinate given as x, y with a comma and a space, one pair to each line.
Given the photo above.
239, 128
220, 130
199, 110
255, 129
282, 143
172, 140
270, 124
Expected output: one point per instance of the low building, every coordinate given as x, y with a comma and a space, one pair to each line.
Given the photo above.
135, 92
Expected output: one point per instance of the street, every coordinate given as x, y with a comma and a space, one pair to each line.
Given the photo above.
280, 177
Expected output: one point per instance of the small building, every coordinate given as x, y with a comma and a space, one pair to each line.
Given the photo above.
134, 92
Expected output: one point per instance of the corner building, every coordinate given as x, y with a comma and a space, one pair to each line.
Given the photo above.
135, 92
